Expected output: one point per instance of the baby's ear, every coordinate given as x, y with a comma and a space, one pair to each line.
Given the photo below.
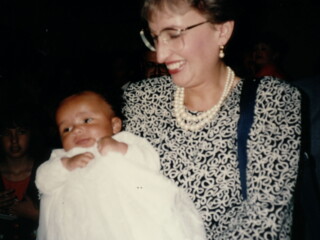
116, 125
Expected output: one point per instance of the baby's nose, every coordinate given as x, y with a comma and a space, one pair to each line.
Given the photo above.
78, 129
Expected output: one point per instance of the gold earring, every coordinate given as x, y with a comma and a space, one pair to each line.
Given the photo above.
221, 52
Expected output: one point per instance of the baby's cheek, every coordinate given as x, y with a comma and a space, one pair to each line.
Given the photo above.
67, 143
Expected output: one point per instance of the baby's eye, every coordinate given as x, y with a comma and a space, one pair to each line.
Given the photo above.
67, 129
88, 120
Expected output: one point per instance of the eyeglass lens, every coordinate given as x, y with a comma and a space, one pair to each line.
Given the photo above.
170, 37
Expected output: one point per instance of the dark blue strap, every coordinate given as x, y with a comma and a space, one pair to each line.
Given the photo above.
247, 103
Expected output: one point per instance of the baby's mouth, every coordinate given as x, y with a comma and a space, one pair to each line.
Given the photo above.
85, 142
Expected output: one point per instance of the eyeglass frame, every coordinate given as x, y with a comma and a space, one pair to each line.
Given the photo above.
180, 31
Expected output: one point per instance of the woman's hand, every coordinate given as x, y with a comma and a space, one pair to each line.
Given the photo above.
108, 144
7, 199
77, 161
25, 208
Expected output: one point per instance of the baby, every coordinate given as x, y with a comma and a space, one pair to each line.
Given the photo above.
106, 184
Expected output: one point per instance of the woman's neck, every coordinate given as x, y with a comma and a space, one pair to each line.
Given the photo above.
208, 94
16, 169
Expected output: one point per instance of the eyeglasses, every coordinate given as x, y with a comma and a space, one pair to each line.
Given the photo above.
169, 36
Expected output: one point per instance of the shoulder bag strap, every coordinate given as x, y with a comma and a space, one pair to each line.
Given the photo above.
247, 103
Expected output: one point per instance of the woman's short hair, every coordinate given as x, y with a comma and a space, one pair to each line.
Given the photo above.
216, 11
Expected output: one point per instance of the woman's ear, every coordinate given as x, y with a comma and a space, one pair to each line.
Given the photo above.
116, 125
225, 32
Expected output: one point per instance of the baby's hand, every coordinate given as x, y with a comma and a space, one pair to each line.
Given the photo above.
77, 161
108, 144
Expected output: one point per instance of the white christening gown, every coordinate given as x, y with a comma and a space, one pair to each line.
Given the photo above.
115, 197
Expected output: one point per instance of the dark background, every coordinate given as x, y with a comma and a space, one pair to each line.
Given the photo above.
50, 47
47, 46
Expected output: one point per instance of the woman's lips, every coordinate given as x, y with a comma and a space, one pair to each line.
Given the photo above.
175, 67
15, 149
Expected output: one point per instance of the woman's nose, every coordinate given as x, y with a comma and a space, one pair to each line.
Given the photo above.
163, 52
14, 137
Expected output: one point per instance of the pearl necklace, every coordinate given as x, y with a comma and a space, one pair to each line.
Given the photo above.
191, 122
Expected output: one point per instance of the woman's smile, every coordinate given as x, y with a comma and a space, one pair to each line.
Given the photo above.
175, 66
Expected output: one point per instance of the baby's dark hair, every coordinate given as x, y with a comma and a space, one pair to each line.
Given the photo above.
111, 95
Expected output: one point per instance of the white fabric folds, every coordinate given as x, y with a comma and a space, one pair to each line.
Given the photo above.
116, 197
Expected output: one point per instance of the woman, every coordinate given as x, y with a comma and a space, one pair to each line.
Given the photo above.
19, 204
191, 119
266, 56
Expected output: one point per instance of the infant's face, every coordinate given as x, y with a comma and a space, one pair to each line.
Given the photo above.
84, 119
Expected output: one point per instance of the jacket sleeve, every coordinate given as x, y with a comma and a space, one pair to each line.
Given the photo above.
273, 157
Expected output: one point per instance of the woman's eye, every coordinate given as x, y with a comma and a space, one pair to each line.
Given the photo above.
88, 120
5, 133
21, 131
172, 34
